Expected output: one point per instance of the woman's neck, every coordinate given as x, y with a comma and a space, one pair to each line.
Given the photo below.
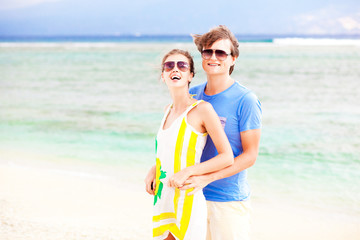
181, 100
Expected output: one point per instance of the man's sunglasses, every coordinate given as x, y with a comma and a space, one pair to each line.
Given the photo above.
182, 66
219, 54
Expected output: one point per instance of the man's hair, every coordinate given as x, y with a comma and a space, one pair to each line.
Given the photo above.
182, 52
215, 34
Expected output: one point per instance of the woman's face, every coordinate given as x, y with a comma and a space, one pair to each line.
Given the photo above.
176, 71
214, 66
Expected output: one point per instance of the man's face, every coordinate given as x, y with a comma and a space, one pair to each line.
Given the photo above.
214, 66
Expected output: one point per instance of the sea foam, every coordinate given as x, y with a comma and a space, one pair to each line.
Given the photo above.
316, 41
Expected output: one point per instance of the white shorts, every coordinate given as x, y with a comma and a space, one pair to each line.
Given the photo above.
228, 220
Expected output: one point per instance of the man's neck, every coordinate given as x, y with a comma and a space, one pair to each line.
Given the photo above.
217, 84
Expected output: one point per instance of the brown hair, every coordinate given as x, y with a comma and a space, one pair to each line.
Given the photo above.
182, 52
215, 34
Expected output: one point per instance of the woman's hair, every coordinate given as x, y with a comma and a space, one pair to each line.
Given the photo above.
215, 34
182, 52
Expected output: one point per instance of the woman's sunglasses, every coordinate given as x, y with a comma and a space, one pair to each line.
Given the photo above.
182, 66
219, 54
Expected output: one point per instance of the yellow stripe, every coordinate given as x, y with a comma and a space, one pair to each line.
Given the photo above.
196, 103
185, 219
178, 146
188, 201
171, 227
164, 216
177, 159
190, 155
157, 175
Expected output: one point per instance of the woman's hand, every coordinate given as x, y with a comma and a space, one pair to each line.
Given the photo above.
197, 183
179, 178
150, 180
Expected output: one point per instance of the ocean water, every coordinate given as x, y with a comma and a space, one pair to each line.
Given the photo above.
102, 102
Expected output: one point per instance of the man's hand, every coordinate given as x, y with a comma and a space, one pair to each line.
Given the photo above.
150, 180
196, 182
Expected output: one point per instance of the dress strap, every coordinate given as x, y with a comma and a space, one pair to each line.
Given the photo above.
192, 106
184, 114
165, 115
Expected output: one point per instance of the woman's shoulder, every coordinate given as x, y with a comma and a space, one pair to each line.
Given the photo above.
204, 107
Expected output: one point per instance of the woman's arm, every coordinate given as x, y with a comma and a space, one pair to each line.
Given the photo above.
150, 180
211, 123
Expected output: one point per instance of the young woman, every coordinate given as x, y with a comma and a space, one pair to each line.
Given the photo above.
180, 214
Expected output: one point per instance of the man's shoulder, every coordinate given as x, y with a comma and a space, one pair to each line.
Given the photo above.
238, 91
241, 88
244, 96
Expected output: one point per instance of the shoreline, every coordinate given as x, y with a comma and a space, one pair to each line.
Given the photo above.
41, 202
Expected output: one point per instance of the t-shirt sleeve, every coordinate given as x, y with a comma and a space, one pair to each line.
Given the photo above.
249, 112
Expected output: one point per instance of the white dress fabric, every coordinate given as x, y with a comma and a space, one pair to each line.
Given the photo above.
178, 147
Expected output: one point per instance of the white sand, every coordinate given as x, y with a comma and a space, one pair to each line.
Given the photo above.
281, 220
38, 202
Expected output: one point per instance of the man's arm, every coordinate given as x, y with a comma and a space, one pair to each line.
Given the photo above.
250, 140
225, 157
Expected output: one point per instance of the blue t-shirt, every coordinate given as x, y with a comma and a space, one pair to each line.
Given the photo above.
239, 110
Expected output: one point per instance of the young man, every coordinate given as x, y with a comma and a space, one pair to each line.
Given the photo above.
227, 191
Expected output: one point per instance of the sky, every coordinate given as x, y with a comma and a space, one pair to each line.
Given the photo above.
159, 17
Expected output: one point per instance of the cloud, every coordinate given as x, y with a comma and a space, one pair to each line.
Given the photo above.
14, 4
306, 18
349, 23
332, 19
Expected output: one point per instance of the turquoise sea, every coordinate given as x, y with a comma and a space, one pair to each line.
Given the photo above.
102, 102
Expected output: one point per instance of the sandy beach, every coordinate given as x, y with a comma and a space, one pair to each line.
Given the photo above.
50, 201
46, 203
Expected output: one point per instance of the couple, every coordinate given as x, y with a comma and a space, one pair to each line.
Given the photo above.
208, 137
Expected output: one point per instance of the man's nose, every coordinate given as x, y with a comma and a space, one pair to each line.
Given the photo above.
213, 57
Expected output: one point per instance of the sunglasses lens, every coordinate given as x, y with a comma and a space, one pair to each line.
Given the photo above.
221, 55
207, 53
182, 66
168, 66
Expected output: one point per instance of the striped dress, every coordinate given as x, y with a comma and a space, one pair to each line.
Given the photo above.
178, 147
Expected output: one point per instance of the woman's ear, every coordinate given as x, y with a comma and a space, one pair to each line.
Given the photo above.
191, 77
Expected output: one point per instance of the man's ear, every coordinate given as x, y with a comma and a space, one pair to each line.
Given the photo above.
233, 60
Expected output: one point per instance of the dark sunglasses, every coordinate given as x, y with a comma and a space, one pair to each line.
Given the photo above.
182, 66
219, 54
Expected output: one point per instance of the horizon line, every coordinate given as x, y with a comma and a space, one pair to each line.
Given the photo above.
181, 35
